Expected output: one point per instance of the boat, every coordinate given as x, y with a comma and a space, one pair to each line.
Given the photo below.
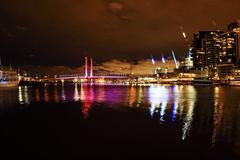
235, 82
8, 77
202, 81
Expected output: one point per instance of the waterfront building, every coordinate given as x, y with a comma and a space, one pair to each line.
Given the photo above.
230, 45
217, 49
8, 77
205, 49
187, 62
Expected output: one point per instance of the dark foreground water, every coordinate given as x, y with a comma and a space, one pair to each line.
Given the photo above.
74, 121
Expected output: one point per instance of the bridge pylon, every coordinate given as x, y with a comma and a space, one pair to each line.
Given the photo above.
88, 73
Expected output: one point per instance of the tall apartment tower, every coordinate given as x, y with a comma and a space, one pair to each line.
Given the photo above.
212, 49
205, 49
230, 45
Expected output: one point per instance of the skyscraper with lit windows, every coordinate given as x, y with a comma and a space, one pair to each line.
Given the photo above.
213, 49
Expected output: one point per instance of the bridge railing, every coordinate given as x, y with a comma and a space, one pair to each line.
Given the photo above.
110, 74
95, 74
104, 75
70, 75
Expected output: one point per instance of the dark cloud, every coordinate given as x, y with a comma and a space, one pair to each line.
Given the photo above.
52, 70
62, 32
144, 66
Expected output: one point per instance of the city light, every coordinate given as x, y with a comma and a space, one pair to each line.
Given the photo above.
158, 96
184, 35
153, 61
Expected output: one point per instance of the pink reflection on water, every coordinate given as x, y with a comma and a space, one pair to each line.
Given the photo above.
37, 95
100, 95
87, 97
132, 96
56, 97
46, 94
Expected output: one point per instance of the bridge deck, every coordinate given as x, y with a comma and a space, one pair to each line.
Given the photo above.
93, 77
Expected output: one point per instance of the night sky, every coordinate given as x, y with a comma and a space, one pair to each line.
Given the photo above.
62, 32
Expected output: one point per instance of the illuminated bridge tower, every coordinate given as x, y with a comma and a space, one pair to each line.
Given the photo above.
87, 74
91, 68
86, 67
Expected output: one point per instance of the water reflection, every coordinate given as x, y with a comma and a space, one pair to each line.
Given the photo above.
139, 96
158, 97
76, 93
165, 101
175, 100
20, 95
132, 96
63, 93
55, 94
100, 94
212, 111
218, 113
176, 93
87, 97
37, 95
23, 95
46, 96
191, 99
226, 119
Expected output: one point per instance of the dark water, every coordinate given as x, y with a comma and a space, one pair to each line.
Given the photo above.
120, 122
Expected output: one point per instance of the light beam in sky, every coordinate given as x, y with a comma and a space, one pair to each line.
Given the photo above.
153, 61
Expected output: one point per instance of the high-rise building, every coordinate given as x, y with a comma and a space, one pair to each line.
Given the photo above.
230, 45
187, 62
212, 49
205, 49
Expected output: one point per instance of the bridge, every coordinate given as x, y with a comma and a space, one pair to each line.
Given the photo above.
97, 76
88, 75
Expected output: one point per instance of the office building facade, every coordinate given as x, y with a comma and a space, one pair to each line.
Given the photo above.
213, 49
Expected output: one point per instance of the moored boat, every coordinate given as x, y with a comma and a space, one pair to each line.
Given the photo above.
8, 77
235, 82
202, 81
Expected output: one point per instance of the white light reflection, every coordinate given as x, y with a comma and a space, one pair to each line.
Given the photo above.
20, 96
191, 99
158, 97
176, 92
63, 94
26, 97
23, 95
216, 96
76, 93
218, 113
139, 96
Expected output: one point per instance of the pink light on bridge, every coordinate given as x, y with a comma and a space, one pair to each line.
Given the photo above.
88, 74
86, 67
91, 68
